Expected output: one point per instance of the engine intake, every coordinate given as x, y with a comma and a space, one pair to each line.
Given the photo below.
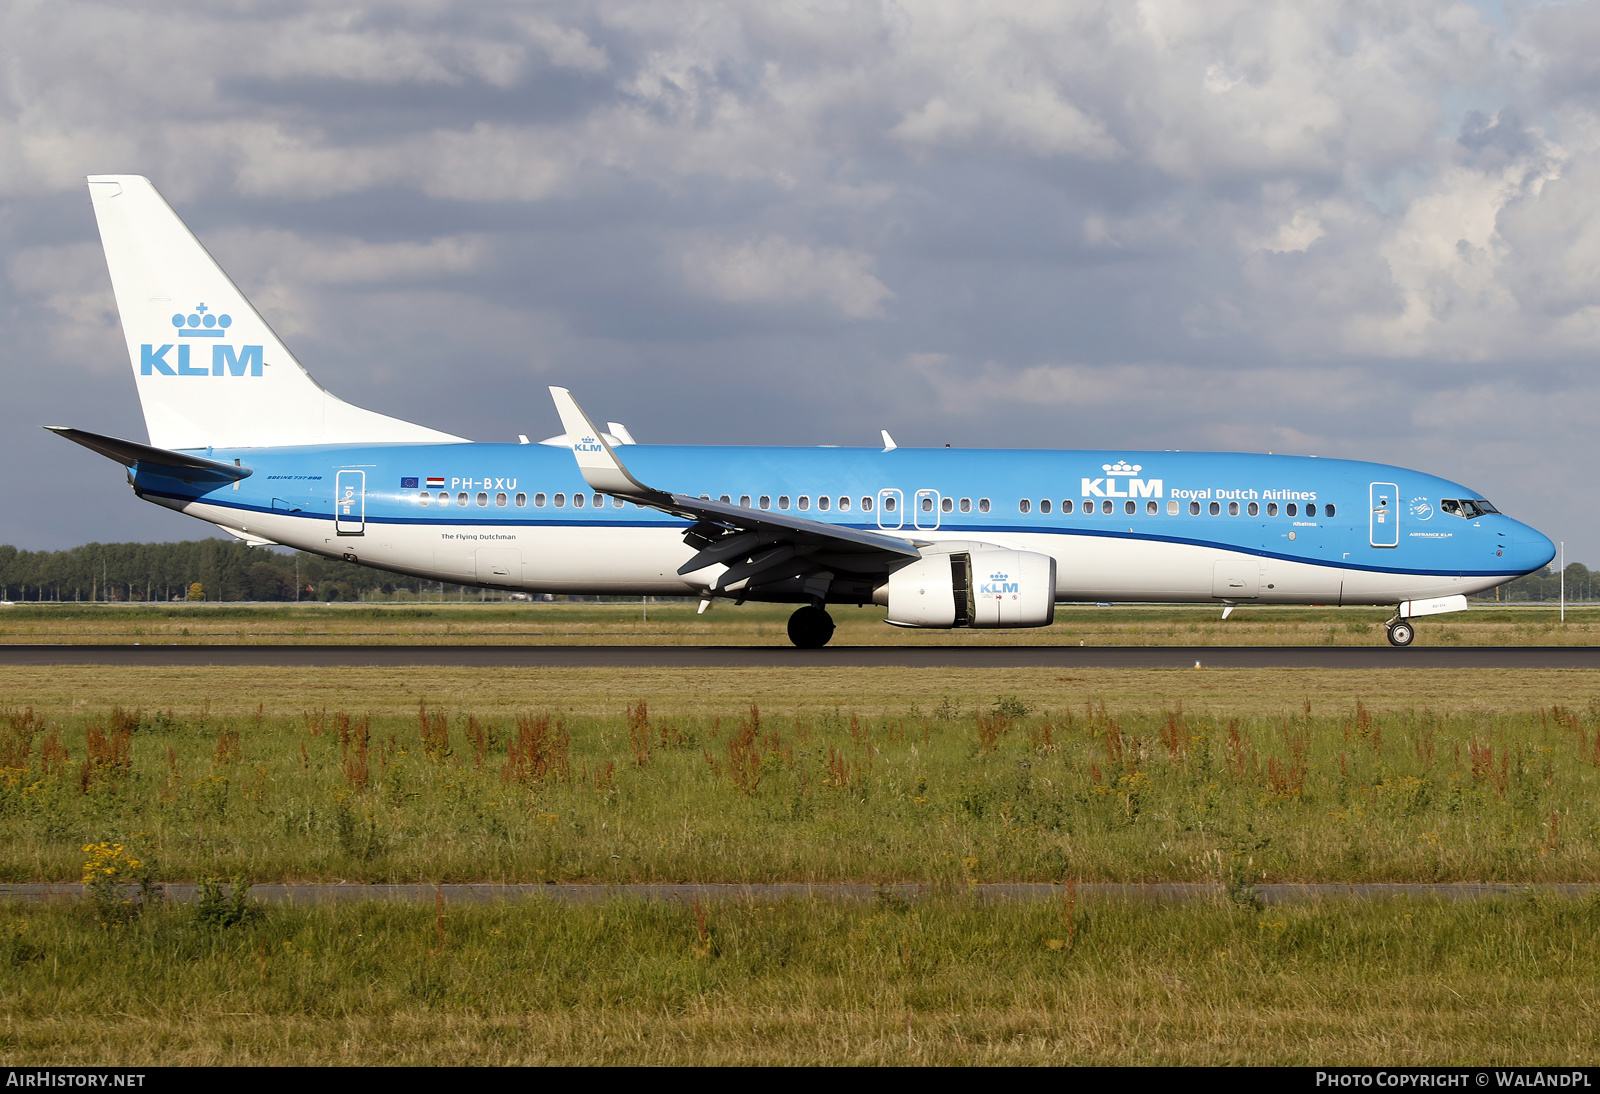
982, 588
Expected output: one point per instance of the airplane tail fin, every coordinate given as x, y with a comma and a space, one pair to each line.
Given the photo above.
209, 370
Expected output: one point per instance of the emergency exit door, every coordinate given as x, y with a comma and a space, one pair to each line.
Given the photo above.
1383, 520
350, 503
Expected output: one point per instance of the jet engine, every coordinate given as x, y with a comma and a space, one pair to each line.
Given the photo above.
983, 587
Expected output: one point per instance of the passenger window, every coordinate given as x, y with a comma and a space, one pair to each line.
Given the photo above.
1215, 508
888, 504
500, 500
1105, 507
1272, 508
783, 501
1088, 508
805, 502
521, 501
616, 503
1194, 509
844, 505
966, 505
1311, 510
483, 499
947, 505
1254, 510
765, 501
1151, 508
744, 501
1291, 509
866, 505
1233, 508
424, 497
1024, 505
1327, 510
599, 500
1044, 506
561, 500
983, 505
461, 498
726, 500
538, 500
822, 503
577, 501
1066, 505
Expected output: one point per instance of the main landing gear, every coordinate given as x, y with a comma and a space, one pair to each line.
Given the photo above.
810, 628
1401, 632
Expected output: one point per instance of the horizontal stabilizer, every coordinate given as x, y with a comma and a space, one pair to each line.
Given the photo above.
132, 453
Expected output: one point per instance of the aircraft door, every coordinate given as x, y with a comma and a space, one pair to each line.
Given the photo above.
1236, 579
891, 510
350, 503
1384, 517
926, 513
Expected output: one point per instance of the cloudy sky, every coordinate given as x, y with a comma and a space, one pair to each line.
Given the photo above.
1364, 229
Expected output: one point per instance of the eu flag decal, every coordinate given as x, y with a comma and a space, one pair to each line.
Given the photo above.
408, 484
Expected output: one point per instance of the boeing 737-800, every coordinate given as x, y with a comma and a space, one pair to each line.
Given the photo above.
240, 435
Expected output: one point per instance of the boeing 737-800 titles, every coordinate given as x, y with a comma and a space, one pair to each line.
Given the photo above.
240, 435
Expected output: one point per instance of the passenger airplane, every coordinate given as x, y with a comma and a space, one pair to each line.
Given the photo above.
243, 437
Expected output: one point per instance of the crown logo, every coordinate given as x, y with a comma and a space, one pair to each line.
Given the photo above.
201, 323
1121, 467
997, 577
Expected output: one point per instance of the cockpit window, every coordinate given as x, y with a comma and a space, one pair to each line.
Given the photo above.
1485, 506
1451, 506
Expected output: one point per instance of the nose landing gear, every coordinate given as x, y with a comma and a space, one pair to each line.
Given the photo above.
1401, 632
810, 628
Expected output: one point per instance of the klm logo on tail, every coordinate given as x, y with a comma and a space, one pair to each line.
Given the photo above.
225, 360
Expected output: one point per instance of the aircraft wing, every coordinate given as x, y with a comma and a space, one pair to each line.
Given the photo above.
130, 453
760, 547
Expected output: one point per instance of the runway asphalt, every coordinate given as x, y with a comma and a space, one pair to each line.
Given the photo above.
732, 657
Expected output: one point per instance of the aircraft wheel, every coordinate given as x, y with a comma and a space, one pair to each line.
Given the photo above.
810, 628
1401, 633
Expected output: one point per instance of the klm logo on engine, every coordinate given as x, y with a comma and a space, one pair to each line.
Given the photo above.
1128, 472
178, 360
998, 583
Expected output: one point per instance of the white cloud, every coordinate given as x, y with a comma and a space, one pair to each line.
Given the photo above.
774, 270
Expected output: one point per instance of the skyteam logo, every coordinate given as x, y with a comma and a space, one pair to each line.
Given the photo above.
1421, 508
201, 323
998, 583
1107, 487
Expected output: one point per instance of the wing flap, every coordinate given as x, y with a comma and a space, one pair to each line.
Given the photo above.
759, 545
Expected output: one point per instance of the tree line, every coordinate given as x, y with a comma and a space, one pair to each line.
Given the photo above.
1545, 584
206, 569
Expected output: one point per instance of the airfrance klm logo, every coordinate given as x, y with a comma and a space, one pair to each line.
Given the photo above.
201, 323
1107, 487
998, 583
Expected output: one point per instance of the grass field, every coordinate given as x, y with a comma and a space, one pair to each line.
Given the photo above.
940, 776
804, 775
756, 624
942, 981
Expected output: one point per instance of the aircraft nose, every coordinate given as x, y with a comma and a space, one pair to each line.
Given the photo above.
1528, 549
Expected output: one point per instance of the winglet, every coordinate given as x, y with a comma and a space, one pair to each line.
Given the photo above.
888, 441
596, 461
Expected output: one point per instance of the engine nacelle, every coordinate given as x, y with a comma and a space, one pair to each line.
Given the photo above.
988, 587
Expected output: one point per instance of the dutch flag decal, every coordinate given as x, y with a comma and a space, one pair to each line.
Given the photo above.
435, 483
